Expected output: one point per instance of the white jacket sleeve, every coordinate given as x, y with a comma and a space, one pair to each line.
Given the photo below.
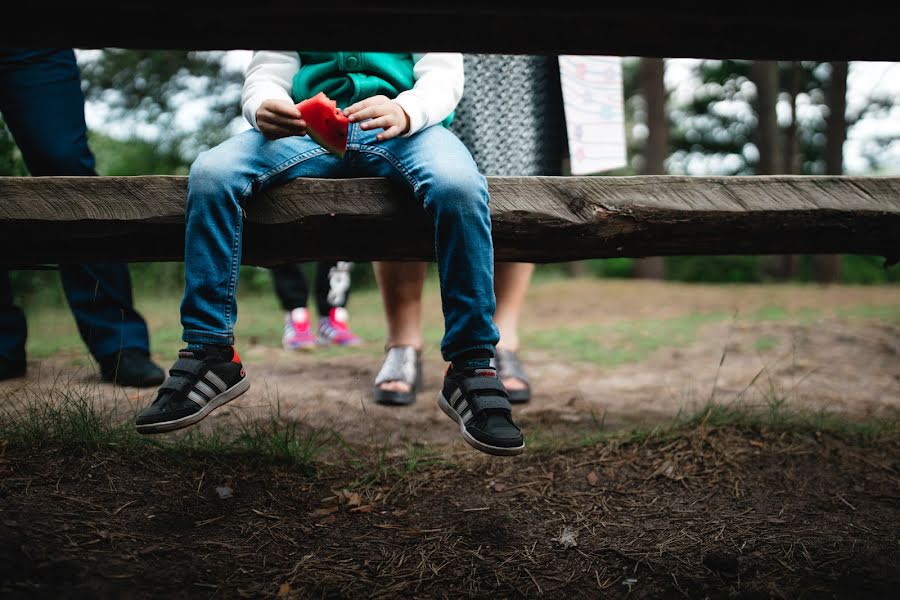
269, 76
439, 86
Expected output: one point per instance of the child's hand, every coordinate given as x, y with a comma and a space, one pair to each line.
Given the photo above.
279, 118
382, 113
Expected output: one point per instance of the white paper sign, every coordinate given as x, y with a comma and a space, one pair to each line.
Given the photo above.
595, 112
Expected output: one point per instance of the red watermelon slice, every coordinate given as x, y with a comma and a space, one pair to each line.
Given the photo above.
325, 122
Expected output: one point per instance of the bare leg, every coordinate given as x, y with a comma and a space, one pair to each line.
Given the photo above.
401, 286
510, 285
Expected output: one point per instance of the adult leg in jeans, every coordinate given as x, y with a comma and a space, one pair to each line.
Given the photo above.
42, 103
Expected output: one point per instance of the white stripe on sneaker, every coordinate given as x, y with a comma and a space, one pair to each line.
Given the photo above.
200, 400
205, 389
215, 380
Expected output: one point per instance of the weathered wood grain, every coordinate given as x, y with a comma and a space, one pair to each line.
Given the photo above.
799, 30
535, 219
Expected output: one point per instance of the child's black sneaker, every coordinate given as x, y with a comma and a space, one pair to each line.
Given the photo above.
476, 399
199, 382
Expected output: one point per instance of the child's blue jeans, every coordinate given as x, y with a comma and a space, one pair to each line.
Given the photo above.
433, 164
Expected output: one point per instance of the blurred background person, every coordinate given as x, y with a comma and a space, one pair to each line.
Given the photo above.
332, 290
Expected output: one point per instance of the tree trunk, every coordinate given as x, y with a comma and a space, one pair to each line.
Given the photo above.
792, 142
765, 76
787, 266
827, 267
767, 138
652, 83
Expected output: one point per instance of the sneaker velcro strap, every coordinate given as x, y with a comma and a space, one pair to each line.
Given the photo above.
190, 366
177, 383
479, 385
479, 404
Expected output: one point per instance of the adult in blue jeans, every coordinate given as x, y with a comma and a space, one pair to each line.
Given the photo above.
42, 104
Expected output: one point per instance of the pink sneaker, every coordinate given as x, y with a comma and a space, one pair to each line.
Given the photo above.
297, 332
335, 330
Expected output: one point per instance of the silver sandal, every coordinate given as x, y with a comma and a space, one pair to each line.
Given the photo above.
401, 363
508, 367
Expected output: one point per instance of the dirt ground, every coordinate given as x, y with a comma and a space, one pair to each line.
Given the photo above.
712, 513
405, 509
808, 351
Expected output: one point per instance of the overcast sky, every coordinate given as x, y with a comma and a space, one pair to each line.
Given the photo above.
863, 79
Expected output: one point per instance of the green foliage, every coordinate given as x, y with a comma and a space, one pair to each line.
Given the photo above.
867, 270
614, 268
855, 269
725, 269
148, 87
135, 156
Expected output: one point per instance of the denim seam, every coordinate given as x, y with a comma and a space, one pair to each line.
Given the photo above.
393, 160
281, 167
235, 266
245, 193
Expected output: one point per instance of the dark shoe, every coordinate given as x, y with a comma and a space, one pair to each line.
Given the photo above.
199, 382
508, 367
402, 363
477, 400
131, 367
11, 369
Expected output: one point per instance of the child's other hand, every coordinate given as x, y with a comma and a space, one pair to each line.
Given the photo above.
379, 112
279, 118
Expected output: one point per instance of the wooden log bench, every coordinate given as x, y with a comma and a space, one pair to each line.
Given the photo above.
540, 219
535, 219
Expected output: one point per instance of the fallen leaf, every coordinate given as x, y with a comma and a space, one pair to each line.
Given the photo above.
366, 508
592, 478
566, 538
321, 512
283, 590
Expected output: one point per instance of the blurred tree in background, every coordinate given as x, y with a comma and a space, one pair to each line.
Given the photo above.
151, 89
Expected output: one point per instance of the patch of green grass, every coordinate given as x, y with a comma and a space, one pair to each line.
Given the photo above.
775, 416
68, 417
779, 313
65, 417
378, 464
781, 416
888, 314
623, 342
764, 343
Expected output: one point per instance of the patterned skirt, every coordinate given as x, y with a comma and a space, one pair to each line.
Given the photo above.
511, 114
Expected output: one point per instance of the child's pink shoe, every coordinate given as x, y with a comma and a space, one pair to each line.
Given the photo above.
297, 332
334, 329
